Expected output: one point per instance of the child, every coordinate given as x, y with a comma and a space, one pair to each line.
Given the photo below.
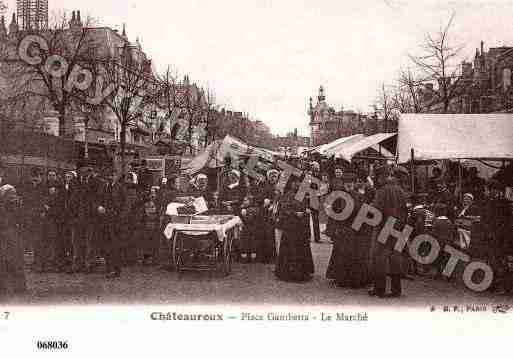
49, 232
249, 216
149, 230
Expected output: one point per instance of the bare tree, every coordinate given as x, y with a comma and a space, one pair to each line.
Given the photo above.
437, 63
55, 77
192, 104
135, 91
167, 98
411, 84
385, 105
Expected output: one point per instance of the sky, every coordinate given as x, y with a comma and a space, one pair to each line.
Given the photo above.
267, 57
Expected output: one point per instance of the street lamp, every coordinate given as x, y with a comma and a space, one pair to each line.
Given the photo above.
112, 148
86, 110
154, 125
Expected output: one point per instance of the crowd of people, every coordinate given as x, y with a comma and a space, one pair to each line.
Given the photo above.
71, 223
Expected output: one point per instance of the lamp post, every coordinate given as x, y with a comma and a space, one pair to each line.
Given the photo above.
154, 125
112, 148
86, 110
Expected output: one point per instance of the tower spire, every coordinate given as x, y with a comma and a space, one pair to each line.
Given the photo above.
3, 29
13, 27
321, 96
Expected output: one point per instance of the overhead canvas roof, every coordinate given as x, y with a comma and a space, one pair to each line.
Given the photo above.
323, 149
350, 148
215, 154
453, 136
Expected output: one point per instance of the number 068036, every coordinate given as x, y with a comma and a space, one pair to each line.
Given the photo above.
52, 345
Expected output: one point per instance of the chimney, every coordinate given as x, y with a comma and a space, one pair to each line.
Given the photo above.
482, 48
13, 27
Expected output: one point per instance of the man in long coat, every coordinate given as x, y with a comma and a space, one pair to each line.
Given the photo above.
110, 205
33, 195
86, 201
390, 199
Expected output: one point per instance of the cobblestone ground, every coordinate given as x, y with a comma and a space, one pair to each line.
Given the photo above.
249, 284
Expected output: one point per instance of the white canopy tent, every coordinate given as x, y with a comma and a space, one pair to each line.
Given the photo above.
214, 155
323, 149
455, 136
349, 149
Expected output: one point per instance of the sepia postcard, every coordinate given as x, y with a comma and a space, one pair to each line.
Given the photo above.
256, 177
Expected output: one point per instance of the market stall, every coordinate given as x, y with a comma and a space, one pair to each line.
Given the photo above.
215, 155
204, 242
349, 149
460, 137
325, 148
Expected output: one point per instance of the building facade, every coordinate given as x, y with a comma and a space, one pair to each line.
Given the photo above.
482, 86
327, 124
32, 14
37, 120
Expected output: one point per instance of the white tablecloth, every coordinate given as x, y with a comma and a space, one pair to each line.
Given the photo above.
220, 228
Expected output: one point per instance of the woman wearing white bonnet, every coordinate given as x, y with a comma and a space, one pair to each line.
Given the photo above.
465, 212
232, 193
200, 182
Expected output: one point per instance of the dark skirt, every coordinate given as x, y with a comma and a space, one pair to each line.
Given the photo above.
12, 264
348, 265
295, 261
149, 238
266, 251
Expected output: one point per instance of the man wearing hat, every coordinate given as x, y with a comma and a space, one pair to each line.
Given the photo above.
109, 228
64, 246
390, 200
33, 213
497, 221
86, 202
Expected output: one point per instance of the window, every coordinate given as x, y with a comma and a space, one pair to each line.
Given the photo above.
506, 79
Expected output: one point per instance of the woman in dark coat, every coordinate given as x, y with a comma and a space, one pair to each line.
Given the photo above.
12, 272
295, 262
349, 257
266, 251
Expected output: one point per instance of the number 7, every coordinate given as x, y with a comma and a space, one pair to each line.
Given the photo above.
6, 315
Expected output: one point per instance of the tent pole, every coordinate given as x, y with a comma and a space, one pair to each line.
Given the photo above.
412, 169
460, 180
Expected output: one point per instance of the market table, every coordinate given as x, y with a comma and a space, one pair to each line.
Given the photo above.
203, 243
